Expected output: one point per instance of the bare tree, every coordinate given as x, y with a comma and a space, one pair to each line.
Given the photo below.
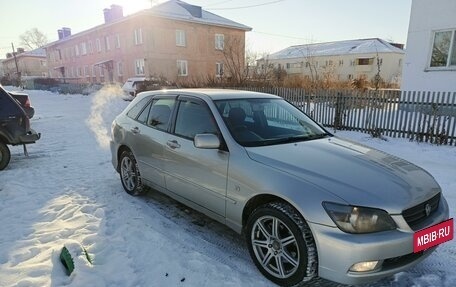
234, 54
33, 39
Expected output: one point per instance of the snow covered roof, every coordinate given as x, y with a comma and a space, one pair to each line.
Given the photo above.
359, 46
174, 10
179, 10
40, 52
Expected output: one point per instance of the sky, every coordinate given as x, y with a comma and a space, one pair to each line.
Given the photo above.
276, 24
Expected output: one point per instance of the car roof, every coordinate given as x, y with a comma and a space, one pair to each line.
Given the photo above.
214, 94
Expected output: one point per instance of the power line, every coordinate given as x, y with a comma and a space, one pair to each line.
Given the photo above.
251, 6
282, 36
218, 3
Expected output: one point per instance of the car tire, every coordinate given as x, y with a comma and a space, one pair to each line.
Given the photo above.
281, 244
129, 174
5, 155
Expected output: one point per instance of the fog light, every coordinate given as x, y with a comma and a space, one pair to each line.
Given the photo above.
365, 266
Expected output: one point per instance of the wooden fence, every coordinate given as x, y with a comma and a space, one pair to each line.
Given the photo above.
420, 116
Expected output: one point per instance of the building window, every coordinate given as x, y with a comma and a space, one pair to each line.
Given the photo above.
444, 49
182, 68
119, 69
83, 48
400, 62
86, 71
139, 67
98, 44
219, 69
108, 47
90, 47
117, 41
180, 38
364, 61
76, 50
94, 71
138, 36
341, 62
219, 41
79, 72
42, 63
100, 68
288, 65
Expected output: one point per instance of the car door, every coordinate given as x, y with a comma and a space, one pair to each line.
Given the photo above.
198, 175
149, 138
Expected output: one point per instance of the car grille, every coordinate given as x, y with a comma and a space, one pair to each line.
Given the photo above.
415, 215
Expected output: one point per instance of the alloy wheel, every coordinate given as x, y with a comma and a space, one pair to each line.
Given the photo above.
275, 246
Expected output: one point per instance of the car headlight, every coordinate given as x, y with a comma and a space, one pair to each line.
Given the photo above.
354, 219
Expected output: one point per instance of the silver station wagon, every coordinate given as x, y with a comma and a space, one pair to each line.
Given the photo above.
309, 204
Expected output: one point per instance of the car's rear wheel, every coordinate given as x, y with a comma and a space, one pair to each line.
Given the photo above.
281, 244
5, 155
129, 174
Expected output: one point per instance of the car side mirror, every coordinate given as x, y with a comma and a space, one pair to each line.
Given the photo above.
206, 141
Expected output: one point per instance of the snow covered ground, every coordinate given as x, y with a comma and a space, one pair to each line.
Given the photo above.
67, 191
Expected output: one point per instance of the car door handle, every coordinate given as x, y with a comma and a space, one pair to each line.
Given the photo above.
173, 144
135, 130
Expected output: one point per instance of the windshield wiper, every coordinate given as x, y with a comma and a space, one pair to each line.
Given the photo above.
293, 139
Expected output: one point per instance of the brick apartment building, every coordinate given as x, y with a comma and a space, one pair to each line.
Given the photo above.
177, 40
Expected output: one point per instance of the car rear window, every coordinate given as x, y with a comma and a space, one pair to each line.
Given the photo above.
7, 105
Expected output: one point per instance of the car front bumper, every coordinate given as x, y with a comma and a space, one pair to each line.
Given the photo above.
339, 251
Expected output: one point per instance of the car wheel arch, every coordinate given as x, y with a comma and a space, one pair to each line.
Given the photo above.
120, 150
259, 200
4, 138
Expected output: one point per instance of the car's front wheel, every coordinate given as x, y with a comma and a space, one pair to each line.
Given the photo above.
129, 174
5, 155
281, 244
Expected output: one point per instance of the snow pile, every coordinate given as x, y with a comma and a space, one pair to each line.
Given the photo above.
67, 191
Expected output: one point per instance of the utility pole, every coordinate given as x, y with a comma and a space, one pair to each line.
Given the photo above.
17, 67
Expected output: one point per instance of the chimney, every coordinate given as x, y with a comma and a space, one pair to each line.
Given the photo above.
107, 15
64, 33
20, 50
113, 13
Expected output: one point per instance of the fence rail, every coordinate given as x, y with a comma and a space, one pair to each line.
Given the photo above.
416, 115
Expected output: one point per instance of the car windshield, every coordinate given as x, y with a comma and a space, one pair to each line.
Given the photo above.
261, 122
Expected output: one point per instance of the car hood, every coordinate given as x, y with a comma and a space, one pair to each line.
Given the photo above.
357, 174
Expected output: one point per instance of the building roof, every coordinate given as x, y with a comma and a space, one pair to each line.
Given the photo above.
174, 10
180, 10
40, 52
37, 53
359, 46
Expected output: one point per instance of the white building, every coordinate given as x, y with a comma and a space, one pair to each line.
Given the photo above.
430, 62
341, 60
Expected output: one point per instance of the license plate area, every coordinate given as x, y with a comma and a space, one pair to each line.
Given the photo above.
433, 236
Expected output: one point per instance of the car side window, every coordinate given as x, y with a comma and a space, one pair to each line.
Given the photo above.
194, 118
160, 113
142, 118
136, 109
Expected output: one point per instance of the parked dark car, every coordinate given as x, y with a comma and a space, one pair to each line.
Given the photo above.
14, 127
25, 102
308, 203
